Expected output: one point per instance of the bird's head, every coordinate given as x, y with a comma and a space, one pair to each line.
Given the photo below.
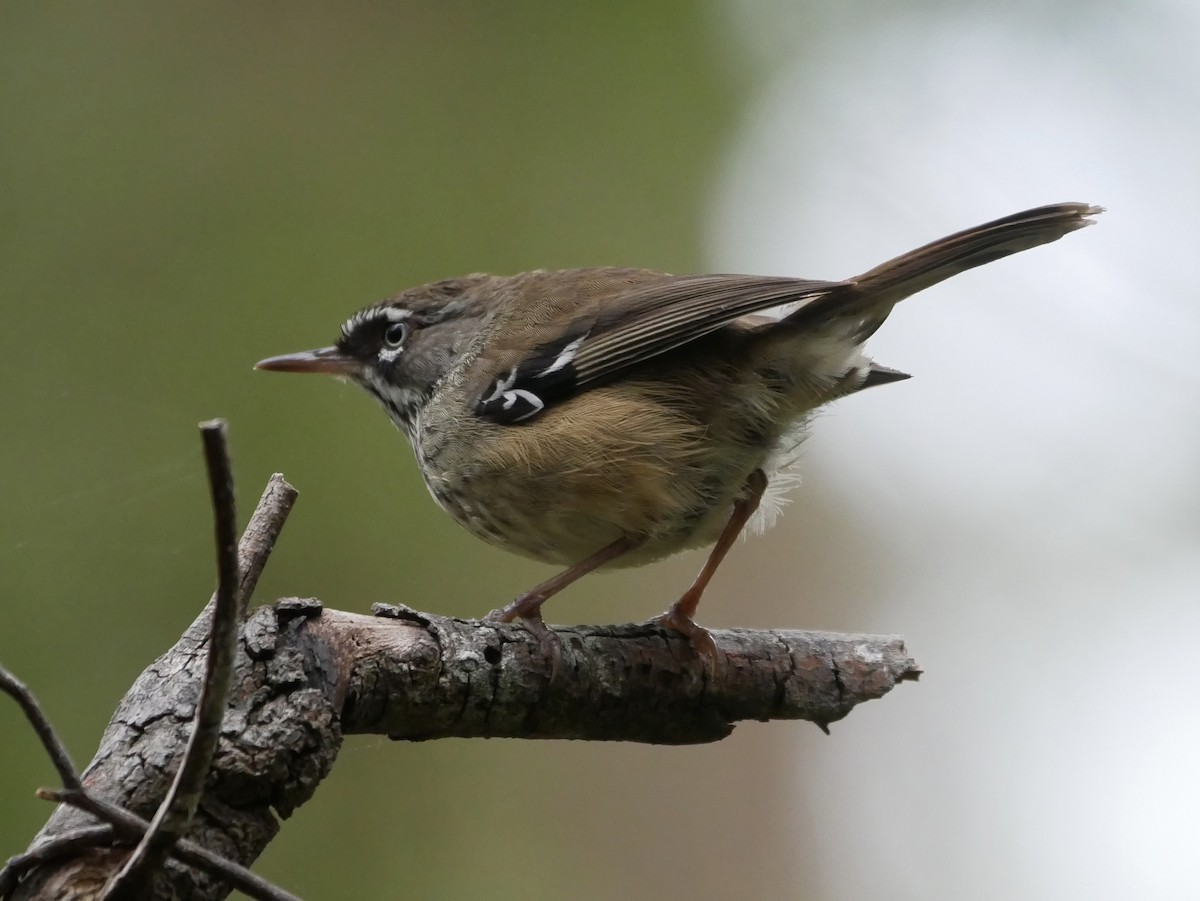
399, 349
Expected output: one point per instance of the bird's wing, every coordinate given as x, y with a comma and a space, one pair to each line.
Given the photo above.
575, 329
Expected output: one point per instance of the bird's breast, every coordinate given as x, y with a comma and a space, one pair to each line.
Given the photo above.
615, 462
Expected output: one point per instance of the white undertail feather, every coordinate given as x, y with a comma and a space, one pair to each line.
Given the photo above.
782, 470
835, 360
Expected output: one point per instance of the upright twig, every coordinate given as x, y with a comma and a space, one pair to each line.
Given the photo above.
179, 806
251, 555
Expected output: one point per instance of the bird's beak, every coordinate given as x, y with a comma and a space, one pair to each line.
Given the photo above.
328, 360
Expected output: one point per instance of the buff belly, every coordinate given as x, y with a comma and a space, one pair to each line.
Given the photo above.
631, 467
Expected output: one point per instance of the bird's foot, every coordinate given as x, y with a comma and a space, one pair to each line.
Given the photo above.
528, 609
701, 639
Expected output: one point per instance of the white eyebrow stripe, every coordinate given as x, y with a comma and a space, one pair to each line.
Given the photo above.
564, 358
372, 314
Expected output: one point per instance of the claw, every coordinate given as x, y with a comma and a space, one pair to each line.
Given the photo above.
548, 640
700, 638
530, 614
502, 615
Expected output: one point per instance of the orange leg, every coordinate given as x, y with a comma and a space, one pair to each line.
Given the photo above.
680, 615
528, 606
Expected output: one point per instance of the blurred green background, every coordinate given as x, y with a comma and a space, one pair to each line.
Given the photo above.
186, 189
189, 188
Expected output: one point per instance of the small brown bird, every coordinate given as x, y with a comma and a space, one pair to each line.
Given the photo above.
610, 417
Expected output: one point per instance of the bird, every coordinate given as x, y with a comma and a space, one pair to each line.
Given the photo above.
598, 418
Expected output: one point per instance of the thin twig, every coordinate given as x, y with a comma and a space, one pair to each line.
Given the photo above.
255, 547
174, 814
261, 533
258, 540
121, 820
19, 692
65, 845
189, 852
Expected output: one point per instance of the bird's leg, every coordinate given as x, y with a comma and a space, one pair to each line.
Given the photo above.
680, 615
528, 606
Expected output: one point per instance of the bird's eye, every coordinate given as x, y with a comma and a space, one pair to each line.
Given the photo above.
396, 334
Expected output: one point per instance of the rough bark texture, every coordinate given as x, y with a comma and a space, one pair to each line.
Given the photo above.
306, 675
446, 677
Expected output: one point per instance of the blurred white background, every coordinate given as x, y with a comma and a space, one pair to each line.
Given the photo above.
1033, 494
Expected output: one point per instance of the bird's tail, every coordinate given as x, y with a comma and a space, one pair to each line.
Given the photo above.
872, 295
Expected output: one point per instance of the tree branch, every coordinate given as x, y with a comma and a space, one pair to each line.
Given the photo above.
117, 821
305, 675
428, 676
77, 877
127, 824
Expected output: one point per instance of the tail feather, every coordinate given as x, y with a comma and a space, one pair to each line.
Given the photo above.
882, 375
926, 266
871, 296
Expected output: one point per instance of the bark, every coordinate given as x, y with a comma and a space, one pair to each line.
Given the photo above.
305, 676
